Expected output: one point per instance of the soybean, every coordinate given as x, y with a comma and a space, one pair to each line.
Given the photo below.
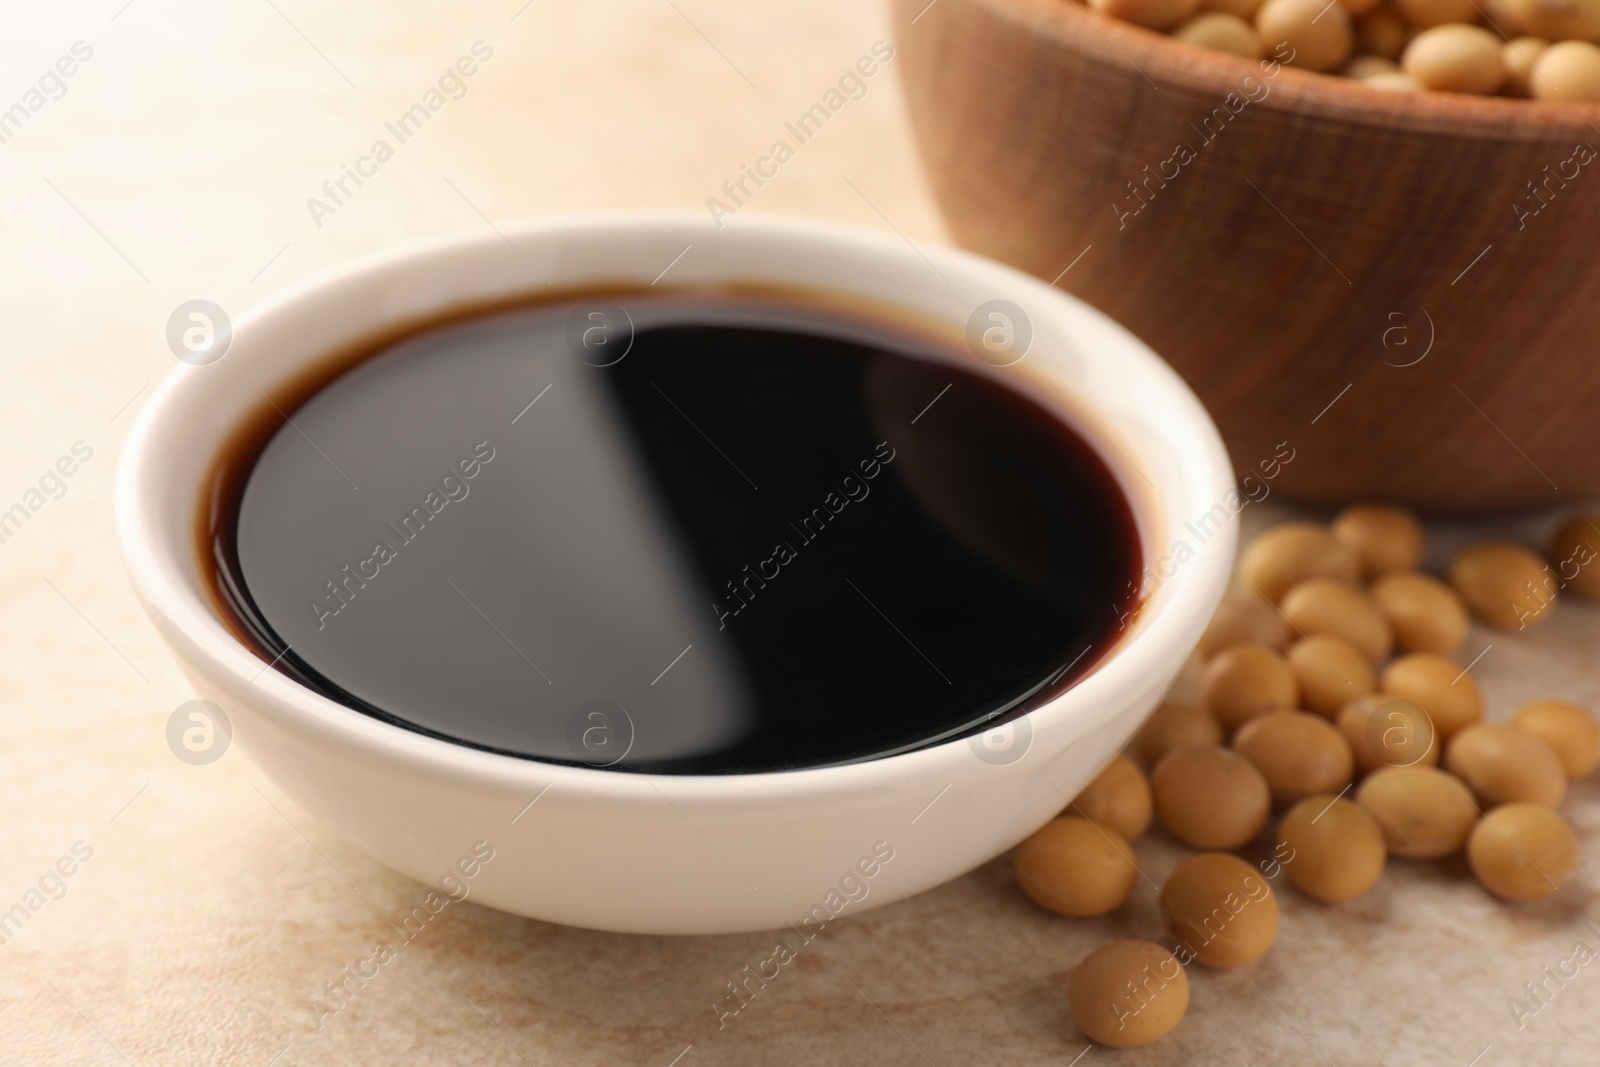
1155, 14
1504, 584
1295, 551
1222, 32
1221, 909
1210, 798
1320, 33
1386, 538
1523, 852
1385, 731
1297, 753
1246, 681
1118, 798
1424, 614
1519, 55
1128, 993
1244, 619
1567, 71
1437, 685
1556, 20
1575, 555
1336, 849
1173, 726
1424, 813
1364, 67
1382, 32
1330, 672
1457, 59
1326, 606
1567, 728
1075, 867
1504, 765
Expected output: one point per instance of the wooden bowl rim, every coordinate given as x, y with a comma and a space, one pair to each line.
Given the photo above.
1074, 26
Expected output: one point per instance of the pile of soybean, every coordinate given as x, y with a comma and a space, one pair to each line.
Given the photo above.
1328, 696
1544, 49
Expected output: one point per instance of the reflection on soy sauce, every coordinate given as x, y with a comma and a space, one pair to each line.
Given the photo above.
739, 533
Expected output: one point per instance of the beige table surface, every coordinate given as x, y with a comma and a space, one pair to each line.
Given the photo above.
176, 165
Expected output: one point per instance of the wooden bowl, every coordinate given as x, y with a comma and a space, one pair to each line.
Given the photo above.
1404, 288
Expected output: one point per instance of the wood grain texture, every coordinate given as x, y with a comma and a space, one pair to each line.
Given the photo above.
1322, 234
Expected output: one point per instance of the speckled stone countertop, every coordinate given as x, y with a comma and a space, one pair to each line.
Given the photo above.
204, 910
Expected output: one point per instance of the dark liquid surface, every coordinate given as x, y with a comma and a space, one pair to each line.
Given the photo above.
773, 535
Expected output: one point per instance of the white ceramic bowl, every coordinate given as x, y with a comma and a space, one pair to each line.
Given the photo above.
679, 854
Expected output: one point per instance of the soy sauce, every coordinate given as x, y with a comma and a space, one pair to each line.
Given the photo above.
685, 532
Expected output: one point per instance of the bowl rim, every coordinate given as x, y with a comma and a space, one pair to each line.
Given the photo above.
1175, 613
1322, 95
